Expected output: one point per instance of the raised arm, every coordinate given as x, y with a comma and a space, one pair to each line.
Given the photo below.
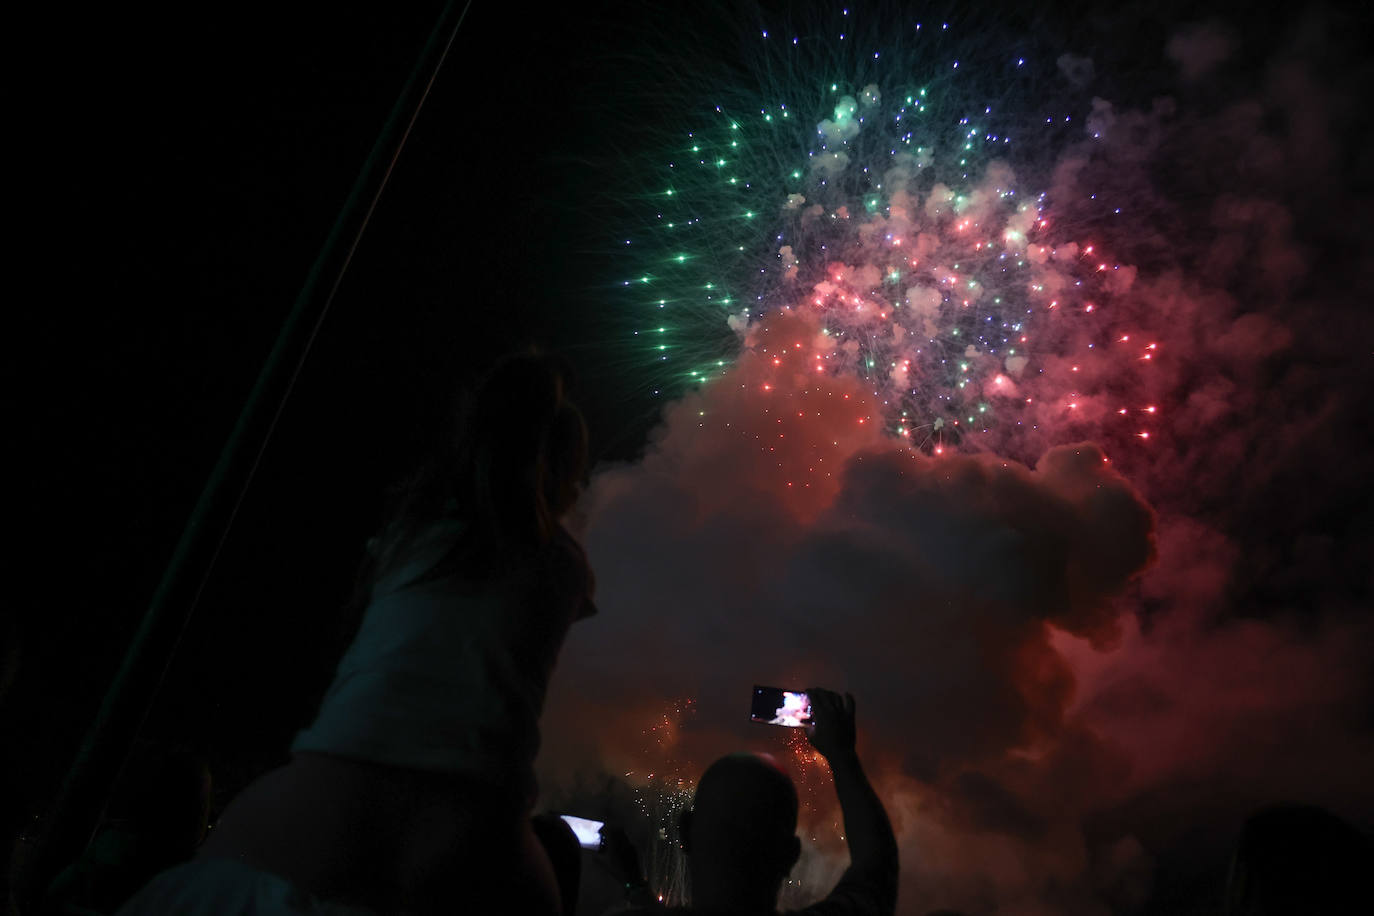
870, 885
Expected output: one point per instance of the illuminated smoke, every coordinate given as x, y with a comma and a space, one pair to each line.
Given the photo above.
872, 491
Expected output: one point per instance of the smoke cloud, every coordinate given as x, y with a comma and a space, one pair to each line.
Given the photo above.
1073, 647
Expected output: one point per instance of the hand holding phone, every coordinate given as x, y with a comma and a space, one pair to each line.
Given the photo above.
831, 728
775, 706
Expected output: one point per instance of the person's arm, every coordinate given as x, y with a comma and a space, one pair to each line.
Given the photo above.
871, 882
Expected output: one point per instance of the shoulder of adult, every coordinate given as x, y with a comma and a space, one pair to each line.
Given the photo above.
861, 892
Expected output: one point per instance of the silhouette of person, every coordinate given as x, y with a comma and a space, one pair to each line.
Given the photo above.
565, 855
1299, 859
412, 789
740, 838
156, 818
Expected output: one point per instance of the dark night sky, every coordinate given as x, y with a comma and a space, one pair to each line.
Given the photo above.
208, 160
203, 161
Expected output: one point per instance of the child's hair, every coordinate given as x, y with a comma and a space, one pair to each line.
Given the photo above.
509, 472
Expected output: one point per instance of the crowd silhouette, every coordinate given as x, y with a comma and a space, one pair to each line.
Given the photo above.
397, 799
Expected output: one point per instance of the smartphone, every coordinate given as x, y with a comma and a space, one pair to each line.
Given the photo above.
588, 831
775, 706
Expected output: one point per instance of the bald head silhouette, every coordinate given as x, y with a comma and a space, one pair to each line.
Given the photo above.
740, 835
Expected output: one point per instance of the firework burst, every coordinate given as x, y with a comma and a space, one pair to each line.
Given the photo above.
891, 185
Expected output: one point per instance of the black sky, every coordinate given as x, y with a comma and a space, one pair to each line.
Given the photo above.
204, 162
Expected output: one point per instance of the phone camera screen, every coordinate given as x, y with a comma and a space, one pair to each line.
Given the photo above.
775, 706
587, 830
